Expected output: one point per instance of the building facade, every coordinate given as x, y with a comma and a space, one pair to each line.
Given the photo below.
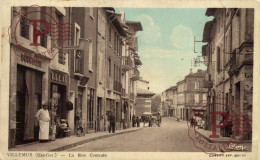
187, 98
143, 98
82, 75
228, 56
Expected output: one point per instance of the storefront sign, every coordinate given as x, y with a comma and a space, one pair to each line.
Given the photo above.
59, 77
30, 60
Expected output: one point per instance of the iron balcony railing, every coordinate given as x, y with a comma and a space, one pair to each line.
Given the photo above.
127, 64
135, 75
117, 86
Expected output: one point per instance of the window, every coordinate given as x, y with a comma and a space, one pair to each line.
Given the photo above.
110, 34
61, 55
77, 36
114, 71
91, 12
196, 85
223, 19
24, 24
109, 67
118, 44
43, 39
218, 59
204, 96
115, 40
78, 61
90, 56
196, 98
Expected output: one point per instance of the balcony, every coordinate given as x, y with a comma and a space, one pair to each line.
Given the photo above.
127, 64
138, 61
233, 67
136, 75
117, 86
123, 92
78, 65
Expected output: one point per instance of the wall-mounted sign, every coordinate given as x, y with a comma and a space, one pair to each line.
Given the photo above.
59, 77
30, 60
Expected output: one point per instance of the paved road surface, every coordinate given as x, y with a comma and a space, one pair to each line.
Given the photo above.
172, 136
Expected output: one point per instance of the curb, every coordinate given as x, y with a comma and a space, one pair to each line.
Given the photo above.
89, 140
221, 141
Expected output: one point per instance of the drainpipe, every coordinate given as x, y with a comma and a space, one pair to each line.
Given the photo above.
105, 78
224, 51
96, 78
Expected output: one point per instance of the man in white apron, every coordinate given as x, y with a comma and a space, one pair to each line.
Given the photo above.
44, 119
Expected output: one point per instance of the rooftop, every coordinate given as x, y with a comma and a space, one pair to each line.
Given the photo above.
144, 92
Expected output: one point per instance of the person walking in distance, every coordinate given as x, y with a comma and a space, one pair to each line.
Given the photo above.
112, 120
44, 122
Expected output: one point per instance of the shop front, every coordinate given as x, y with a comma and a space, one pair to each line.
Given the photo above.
58, 103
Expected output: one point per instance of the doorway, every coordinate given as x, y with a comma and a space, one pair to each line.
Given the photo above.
99, 110
28, 102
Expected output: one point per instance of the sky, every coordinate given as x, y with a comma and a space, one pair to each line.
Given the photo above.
165, 45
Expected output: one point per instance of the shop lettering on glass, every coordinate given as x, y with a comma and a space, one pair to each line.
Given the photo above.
62, 78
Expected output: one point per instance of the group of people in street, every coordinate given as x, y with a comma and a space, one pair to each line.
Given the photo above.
197, 121
136, 121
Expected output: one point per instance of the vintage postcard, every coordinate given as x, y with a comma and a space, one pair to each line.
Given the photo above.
129, 79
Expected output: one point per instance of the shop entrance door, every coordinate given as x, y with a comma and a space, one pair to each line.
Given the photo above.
28, 102
58, 96
99, 109
90, 110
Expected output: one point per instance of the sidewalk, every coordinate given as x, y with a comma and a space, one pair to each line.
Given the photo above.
70, 142
206, 133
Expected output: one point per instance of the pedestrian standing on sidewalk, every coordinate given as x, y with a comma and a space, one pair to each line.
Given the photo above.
112, 120
138, 121
44, 122
150, 121
133, 120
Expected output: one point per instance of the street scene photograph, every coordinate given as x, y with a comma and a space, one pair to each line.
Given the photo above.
107, 79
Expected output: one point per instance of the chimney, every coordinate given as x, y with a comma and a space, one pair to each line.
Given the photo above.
191, 71
148, 88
